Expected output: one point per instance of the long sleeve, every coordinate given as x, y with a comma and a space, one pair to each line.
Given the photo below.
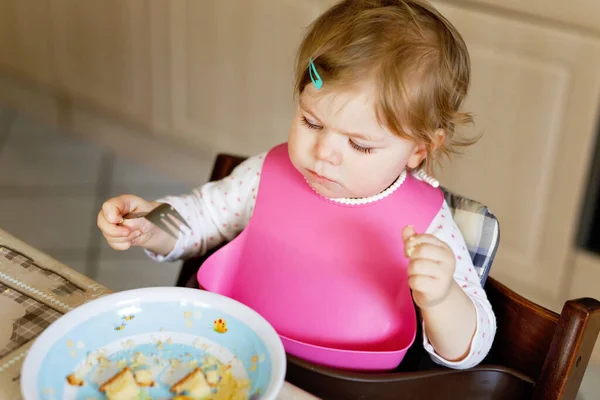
217, 211
444, 228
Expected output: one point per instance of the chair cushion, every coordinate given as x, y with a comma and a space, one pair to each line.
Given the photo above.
480, 229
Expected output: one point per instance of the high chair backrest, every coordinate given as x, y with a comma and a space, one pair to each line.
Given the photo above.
479, 228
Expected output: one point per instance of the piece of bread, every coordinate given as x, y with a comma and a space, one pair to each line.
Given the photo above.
144, 377
74, 380
193, 384
122, 386
213, 377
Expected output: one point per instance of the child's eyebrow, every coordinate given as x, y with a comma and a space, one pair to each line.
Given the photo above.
368, 138
306, 108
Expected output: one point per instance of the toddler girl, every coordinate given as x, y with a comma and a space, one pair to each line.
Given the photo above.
343, 215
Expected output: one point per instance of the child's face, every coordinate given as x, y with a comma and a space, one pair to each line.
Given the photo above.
340, 148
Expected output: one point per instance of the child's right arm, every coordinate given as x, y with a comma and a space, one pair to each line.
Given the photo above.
217, 212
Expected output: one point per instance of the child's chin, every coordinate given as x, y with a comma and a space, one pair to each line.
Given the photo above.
325, 191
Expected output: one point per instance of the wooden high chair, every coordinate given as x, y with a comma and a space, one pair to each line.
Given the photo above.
537, 354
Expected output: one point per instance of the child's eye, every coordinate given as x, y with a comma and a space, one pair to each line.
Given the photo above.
310, 125
359, 148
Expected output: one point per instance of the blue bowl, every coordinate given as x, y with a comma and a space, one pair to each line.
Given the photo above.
172, 328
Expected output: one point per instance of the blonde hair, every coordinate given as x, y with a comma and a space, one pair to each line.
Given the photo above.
418, 60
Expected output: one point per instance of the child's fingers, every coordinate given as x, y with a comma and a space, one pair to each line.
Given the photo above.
137, 224
112, 210
408, 232
414, 241
109, 229
132, 236
115, 208
121, 246
424, 268
428, 251
421, 283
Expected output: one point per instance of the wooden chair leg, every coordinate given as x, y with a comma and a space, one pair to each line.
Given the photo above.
570, 350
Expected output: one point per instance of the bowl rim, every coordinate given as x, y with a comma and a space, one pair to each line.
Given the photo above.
41, 345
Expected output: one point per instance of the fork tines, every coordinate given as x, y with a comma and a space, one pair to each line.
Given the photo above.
168, 219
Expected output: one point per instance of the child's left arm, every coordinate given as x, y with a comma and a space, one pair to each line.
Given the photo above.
458, 321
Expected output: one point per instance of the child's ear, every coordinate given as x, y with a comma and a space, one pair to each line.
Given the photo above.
420, 151
417, 157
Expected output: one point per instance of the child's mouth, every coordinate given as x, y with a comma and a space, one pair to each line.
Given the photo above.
319, 178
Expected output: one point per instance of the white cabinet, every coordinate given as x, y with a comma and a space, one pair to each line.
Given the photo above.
231, 66
577, 13
535, 96
102, 53
25, 39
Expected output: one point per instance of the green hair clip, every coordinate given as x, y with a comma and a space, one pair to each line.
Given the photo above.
314, 75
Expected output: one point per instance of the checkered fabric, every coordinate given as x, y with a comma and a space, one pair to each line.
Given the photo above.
480, 229
38, 317
63, 286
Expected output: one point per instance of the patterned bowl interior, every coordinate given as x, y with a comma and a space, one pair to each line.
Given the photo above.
171, 329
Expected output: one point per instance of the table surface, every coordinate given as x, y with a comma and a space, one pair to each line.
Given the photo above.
35, 290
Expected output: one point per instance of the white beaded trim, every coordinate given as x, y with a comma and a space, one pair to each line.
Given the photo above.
12, 361
371, 199
423, 176
35, 291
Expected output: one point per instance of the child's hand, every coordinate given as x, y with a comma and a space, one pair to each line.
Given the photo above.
430, 268
122, 234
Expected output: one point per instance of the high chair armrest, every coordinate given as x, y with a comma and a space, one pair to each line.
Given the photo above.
524, 330
570, 350
482, 382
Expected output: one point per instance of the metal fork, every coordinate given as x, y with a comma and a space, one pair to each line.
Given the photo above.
164, 217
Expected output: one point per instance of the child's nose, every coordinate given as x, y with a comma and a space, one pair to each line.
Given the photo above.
327, 150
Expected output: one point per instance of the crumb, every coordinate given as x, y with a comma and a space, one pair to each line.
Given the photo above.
74, 380
138, 360
175, 363
103, 361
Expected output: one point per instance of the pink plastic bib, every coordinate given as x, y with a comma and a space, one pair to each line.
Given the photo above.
331, 278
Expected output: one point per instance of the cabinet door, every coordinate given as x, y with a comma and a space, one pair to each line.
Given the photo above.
102, 53
231, 70
535, 98
25, 46
580, 13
